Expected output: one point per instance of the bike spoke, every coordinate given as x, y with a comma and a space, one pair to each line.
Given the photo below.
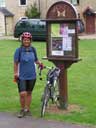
45, 101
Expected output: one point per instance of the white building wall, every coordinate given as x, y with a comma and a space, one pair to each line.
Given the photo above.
18, 11
2, 24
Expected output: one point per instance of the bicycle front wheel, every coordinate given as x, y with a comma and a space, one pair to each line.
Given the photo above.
45, 100
56, 92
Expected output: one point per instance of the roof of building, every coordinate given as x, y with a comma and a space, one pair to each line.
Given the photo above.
89, 11
6, 12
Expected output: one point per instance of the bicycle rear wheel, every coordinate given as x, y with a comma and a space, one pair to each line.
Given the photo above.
45, 100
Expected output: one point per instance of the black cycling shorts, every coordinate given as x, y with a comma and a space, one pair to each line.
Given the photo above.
26, 85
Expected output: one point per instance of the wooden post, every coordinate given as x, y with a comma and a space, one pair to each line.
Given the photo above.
63, 89
63, 84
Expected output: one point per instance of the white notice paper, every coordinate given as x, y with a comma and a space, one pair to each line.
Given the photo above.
57, 53
67, 44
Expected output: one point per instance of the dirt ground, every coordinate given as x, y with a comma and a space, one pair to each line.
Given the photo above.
71, 108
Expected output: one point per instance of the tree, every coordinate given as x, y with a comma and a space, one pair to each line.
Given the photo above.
32, 11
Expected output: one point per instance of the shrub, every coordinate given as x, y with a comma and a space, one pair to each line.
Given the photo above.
32, 11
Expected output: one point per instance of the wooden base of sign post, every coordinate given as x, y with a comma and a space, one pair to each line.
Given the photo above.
63, 89
63, 85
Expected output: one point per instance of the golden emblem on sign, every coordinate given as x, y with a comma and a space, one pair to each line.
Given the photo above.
61, 14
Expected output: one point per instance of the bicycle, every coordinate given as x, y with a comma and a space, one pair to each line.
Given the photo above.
51, 90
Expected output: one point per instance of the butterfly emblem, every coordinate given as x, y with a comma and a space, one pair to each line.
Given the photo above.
61, 14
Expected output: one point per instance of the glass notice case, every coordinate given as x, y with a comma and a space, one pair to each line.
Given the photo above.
62, 42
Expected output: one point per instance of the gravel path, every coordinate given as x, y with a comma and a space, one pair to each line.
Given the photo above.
8, 120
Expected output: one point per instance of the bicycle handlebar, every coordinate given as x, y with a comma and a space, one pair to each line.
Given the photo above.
40, 70
49, 68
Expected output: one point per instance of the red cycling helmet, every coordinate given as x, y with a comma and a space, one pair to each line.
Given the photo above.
26, 35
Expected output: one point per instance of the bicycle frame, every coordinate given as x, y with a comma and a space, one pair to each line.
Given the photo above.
49, 90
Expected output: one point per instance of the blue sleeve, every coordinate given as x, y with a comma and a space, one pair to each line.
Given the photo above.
16, 55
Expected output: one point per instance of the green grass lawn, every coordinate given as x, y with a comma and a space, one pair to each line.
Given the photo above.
81, 83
